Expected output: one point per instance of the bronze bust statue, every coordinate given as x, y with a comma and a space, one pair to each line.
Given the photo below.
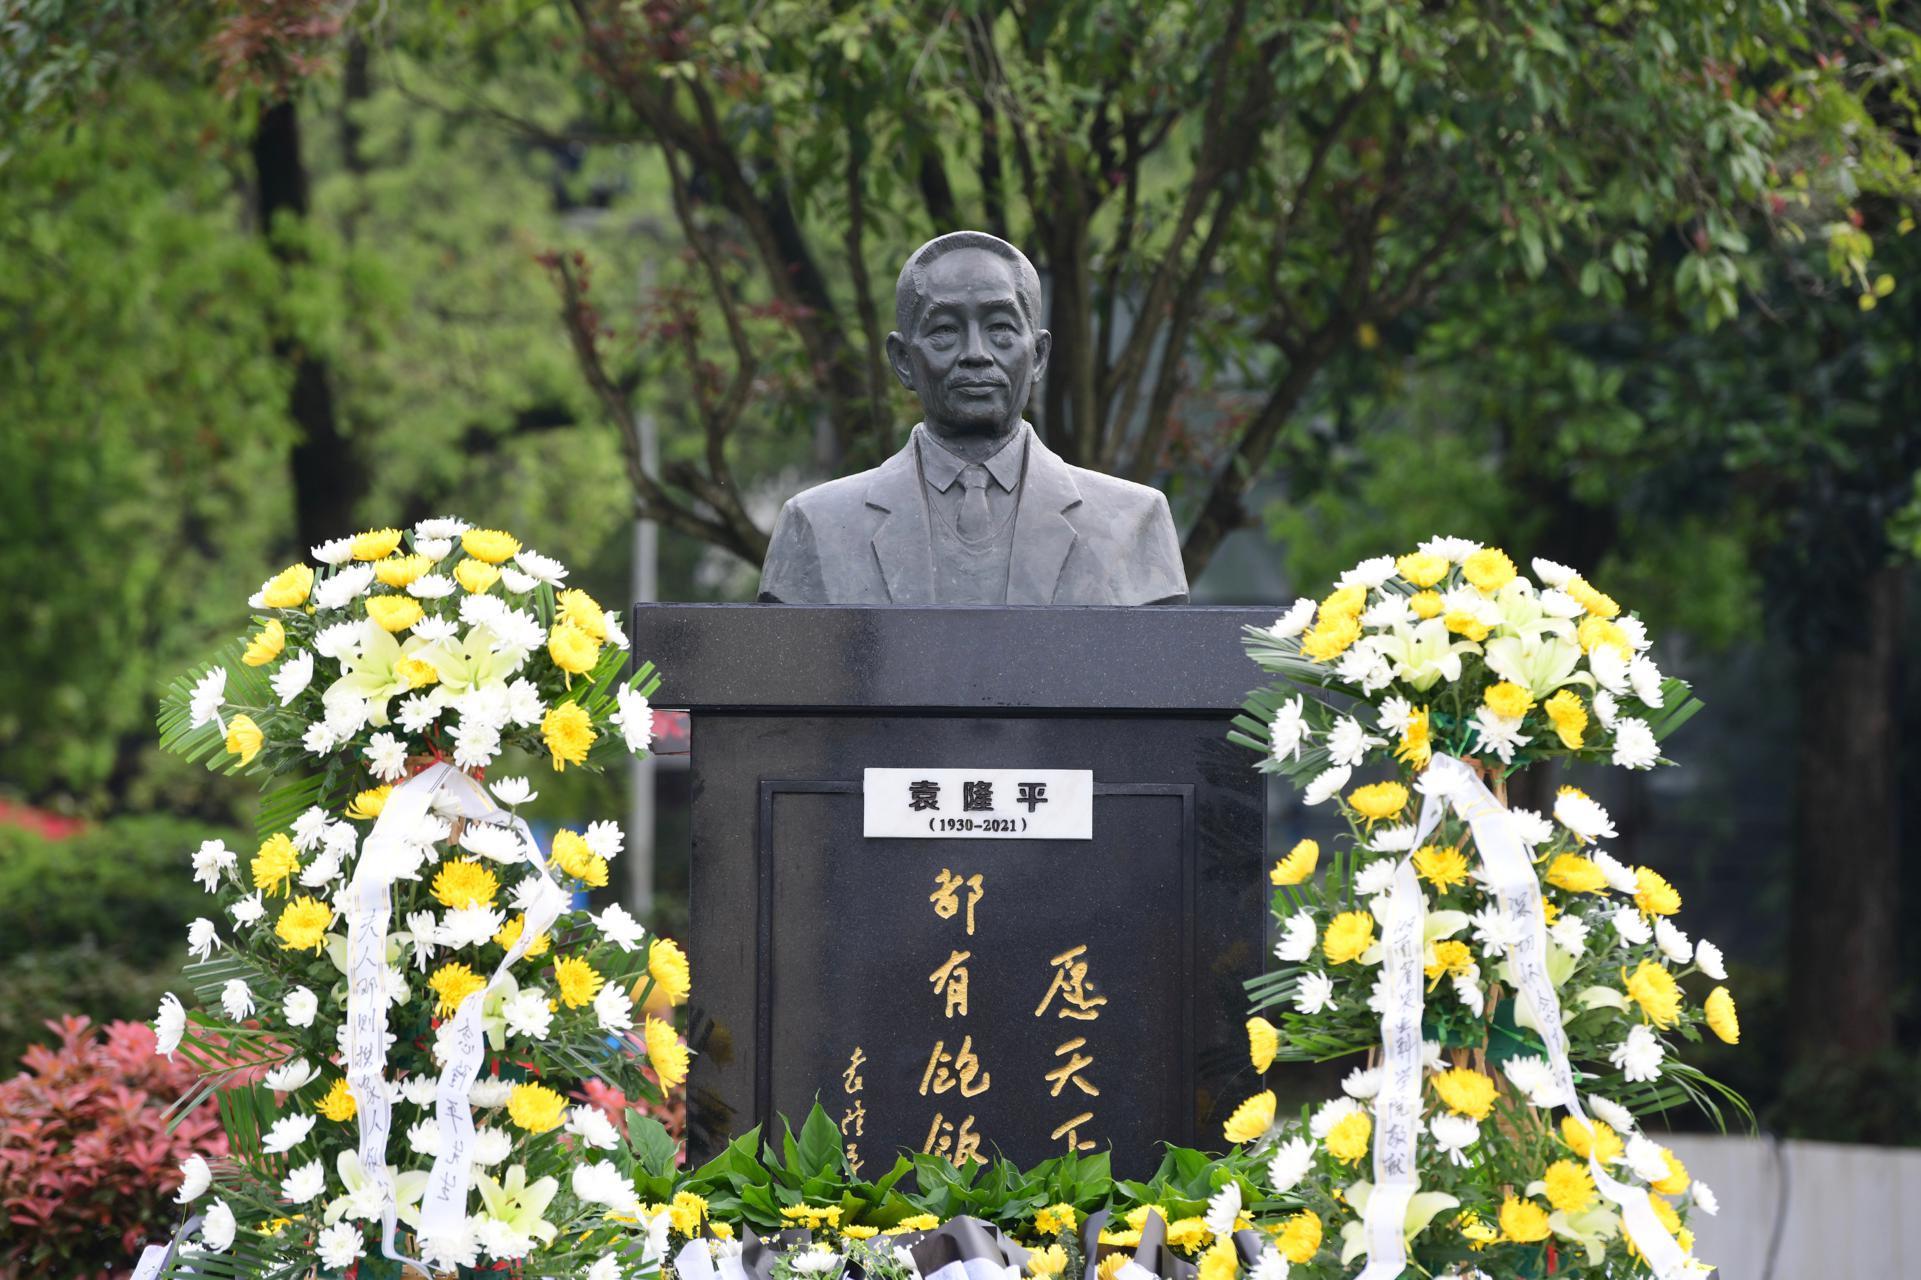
974, 509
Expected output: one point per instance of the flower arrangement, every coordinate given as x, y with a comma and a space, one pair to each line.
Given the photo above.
1429, 937
399, 1005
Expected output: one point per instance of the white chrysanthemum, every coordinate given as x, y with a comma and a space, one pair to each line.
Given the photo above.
1496, 933
815, 1260
1349, 742
217, 1228
1223, 1209
339, 1246
1634, 744
499, 1239
1502, 735
299, 1007
236, 998
1645, 1158
545, 568
518, 630
334, 551
1646, 679
419, 1090
1298, 939
602, 1182
423, 1138
209, 695
634, 717
1388, 611
1398, 838
1292, 1159
1532, 1075
304, 1183
613, 1009
195, 1177
249, 909
1559, 604
211, 861
1271, 1265
294, 675
1569, 933
435, 630
341, 840
1396, 714
287, 1133
321, 870
1369, 573
1331, 1113
1454, 1135
1583, 815
449, 1250
1631, 925
288, 1076
1674, 944
1611, 1113
1315, 994
491, 1092
470, 926
497, 842
517, 582
524, 706
1468, 990
1610, 669
1552, 574
526, 1013
1377, 995
1708, 957
1620, 876
435, 549
430, 586
340, 639
1328, 784
1365, 667
309, 827
1299, 616
512, 791
1375, 877
476, 743
1468, 600
441, 527
491, 1146
1531, 828
1454, 549
1639, 1056
1289, 732
592, 1127
417, 711
343, 588
1606, 709
605, 839
619, 928
1704, 1197
1362, 1083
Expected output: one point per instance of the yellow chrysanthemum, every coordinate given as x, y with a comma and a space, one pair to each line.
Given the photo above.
914, 1222
1466, 625
367, 805
812, 1216
576, 608
451, 983
1523, 1221
1348, 935
339, 1104
1653, 988
375, 544
394, 613
289, 588
1043, 1264
1252, 1118
509, 933
1576, 874
686, 1213
491, 545
275, 864
1478, 1234
1594, 1139
1220, 1261
573, 650
1344, 602
303, 923
1300, 1237
862, 1231
1465, 1091
244, 738
1422, 568
1110, 1267
1329, 638
1426, 604
1653, 894
1298, 865
569, 734
1675, 1181
1723, 1021
1569, 717
535, 1108
1597, 603
1450, 956
578, 981
1347, 1140
1569, 1188
1263, 1042
1129, 1239
665, 1052
1505, 698
721, 1230
572, 856
1594, 633
667, 966
266, 644
1441, 865
1188, 1233
1549, 911
476, 575
1136, 1217
1488, 570
1056, 1218
417, 672
1416, 746
401, 571
465, 882
1378, 800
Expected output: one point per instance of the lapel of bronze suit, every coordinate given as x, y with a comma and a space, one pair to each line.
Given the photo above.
902, 546
1042, 534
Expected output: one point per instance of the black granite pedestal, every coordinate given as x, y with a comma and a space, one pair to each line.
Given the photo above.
1100, 980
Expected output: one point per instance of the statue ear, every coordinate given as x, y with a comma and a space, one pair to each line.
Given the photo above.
1043, 344
897, 356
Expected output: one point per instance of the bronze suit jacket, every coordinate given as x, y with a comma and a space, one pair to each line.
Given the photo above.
1080, 537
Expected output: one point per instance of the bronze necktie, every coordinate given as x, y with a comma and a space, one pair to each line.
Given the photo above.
974, 516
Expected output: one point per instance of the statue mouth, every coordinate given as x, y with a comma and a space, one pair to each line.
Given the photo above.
977, 385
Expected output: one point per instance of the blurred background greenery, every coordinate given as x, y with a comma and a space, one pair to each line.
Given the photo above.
1628, 285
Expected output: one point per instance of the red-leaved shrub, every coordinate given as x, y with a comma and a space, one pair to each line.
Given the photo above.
87, 1167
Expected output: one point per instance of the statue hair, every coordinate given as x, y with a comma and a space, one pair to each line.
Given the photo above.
910, 289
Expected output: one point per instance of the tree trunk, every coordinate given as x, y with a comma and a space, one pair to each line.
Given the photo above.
1845, 946
328, 480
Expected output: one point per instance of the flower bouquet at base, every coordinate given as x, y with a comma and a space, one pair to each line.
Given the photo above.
400, 1010
1513, 997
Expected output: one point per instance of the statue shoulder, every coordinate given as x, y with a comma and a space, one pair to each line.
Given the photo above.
1121, 496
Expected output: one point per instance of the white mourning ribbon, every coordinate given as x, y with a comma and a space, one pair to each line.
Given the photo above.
1508, 870
444, 1207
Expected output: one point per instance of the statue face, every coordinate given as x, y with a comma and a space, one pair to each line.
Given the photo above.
973, 356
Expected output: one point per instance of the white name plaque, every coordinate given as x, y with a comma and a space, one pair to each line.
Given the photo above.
992, 804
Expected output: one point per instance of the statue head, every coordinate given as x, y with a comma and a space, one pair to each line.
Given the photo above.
968, 339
